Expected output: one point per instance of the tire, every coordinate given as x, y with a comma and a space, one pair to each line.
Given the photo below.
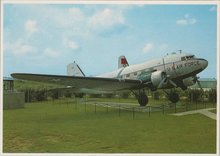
174, 97
143, 99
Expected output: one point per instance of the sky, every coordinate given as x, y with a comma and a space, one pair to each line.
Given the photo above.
44, 38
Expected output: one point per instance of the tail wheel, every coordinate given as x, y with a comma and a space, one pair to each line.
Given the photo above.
174, 97
142, 99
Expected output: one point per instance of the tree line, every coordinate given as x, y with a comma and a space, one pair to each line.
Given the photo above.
33, 95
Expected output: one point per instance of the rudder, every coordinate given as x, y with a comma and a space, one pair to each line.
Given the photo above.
122, 62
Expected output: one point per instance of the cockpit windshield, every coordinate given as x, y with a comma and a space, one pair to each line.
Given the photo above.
187, 57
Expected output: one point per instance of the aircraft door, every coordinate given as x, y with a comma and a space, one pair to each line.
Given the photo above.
169, 67
179, 68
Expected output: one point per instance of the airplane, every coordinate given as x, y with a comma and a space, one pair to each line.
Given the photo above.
168, 72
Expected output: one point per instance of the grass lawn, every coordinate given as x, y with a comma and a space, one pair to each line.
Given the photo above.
62, 126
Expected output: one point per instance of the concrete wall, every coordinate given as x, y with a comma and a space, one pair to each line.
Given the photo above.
12, 100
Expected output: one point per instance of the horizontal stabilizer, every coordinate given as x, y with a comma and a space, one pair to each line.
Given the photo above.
74, 70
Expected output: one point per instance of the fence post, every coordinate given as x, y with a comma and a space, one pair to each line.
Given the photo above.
196, 104
76, 105
133, 113
85, 107
149, 109
119, 110
163, 109
175, 107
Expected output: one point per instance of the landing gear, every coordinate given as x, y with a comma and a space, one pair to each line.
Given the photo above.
173, 96
80, 95
142, 98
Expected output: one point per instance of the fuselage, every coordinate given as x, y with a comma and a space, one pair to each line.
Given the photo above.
176, 66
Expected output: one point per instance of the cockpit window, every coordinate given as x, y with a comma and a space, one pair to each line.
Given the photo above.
183, 58
187, 57
190, 57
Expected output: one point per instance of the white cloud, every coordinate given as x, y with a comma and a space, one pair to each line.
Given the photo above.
186, 20
148, 47
186, 16
62, 17
106, 18
76, 14
70, 44
78, 21
163, 47
19, 48
182, 22
30, 27
70, 17
192, 21
51, 53
212, 9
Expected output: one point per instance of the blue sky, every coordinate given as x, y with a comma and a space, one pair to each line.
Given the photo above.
44, 38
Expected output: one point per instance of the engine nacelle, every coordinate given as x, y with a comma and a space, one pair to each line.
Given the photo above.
157, 77
189, 81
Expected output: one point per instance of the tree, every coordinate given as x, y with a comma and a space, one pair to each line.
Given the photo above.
212, 95
40, 95
95, 95
109, 95
68, 94
125, 95
55, 94
194, 95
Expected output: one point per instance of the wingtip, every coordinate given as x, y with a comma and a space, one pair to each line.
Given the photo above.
16, 75
13, 74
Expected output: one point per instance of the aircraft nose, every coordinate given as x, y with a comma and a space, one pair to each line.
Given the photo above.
204, 63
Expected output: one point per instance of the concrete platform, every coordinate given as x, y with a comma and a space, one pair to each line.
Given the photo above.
205, 112
127, 106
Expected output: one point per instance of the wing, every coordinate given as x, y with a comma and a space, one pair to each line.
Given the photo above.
83, 83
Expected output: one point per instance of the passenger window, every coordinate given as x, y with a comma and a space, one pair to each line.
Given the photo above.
183, 58
192, 56
135, 73
127, 75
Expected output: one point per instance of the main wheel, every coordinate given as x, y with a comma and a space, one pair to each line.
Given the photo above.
174, 97
142, 99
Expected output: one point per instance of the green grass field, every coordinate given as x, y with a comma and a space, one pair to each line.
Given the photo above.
64, 127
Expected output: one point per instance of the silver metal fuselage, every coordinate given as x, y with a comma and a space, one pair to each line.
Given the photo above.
176, 66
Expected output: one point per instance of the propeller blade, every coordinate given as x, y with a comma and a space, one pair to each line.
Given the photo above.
196, 80
172, 83
161, 83
199, 84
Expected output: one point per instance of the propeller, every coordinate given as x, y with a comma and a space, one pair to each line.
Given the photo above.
196, 80
199, 84
166, 80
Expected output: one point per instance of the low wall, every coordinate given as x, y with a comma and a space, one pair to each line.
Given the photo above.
12, 100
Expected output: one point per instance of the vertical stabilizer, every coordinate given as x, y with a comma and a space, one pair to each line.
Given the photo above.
122, 62
74, 70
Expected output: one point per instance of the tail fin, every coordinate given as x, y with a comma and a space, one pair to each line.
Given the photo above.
122, 62
74, 70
